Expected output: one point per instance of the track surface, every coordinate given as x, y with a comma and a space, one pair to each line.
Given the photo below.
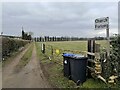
30, 76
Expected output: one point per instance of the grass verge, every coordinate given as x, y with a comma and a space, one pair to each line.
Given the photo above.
25, 59
53, 71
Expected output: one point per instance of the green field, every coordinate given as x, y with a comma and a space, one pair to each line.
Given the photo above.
54, 67
74, 45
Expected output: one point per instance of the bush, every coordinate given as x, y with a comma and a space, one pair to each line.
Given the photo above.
9, 45
115, 53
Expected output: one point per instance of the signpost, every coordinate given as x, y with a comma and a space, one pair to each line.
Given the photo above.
103, 23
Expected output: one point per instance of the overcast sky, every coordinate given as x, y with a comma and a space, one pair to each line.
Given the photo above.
58, 18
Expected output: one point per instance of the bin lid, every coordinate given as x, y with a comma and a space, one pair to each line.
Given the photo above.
79, 56
68, 55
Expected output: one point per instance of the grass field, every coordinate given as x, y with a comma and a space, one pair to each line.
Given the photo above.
74, 45
54, 66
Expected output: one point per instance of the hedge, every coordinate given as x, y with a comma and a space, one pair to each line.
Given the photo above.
9, 45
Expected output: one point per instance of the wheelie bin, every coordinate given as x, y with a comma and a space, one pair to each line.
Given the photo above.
78, 65
66, 64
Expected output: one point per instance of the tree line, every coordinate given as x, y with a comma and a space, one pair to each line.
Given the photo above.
55, 38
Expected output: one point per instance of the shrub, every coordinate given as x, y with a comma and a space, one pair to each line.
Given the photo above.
9, 45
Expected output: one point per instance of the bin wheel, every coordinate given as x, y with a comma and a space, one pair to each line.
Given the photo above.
69, 77
78, 82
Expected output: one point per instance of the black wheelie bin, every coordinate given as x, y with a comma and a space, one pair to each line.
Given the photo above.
78, 65
66, 64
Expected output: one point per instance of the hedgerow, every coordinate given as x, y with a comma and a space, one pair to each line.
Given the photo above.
115, 54
9, 45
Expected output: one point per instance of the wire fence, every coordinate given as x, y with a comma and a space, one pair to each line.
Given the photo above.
55, 54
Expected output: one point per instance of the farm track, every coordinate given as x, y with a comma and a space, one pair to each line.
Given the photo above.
30, 76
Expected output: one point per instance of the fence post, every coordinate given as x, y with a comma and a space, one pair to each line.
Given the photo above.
43, 48
98, 68
97, 48
91, 48
51, 51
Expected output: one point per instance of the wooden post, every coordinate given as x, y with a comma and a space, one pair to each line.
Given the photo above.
43, 48
97, 48
51, 51
91, 49
98, 68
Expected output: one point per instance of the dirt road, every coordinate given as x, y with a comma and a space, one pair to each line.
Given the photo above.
30, 76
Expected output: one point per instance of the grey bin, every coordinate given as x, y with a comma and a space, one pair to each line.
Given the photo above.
66, 64
78, 65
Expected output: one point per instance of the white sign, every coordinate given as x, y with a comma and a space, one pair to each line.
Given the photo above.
102, 23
